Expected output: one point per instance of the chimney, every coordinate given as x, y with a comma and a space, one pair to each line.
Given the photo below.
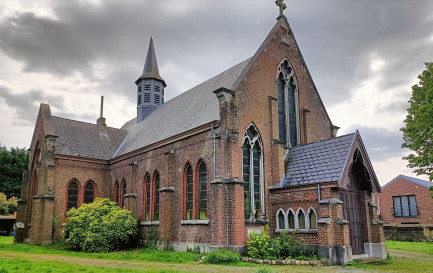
101, 120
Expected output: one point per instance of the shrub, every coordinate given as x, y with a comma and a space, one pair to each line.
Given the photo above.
428, 234
288, 245
100, 226
223, 256
260, 245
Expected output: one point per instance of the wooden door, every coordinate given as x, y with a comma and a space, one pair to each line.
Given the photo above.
352, 213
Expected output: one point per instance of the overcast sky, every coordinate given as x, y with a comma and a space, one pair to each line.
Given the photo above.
364, 56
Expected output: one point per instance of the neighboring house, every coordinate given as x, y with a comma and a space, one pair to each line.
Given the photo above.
251, 146
7, 224
406, 200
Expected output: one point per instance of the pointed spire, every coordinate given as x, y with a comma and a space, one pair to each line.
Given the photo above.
150, 70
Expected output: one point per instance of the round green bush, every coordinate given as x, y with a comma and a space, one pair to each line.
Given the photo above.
100, 226
223, 256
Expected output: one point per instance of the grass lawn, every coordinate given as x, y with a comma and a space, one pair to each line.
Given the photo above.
406, 257
420, 247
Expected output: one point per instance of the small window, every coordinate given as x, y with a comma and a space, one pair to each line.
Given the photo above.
281, 220
291, 220
156, 98
301, 219
146, 97
72, 195
139, 98
313, 219
157, 88
89, 193
405, 206
147, 87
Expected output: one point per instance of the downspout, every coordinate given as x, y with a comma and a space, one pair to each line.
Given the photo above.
318, 192
214, 133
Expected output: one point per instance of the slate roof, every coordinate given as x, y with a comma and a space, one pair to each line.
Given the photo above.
420, 182
76, 138
189, 110
150, 70
318, 162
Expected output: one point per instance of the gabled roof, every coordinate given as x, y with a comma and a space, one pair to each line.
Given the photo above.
150, 70
189, 110
420, 182
327, 161
318, 162
76, 138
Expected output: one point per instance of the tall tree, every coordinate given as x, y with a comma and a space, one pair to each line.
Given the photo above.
12, 164
418, 132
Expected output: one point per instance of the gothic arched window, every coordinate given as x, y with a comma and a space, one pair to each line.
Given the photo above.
116, 192
89, 192
281, 220
122, 192
291, 219
301, 219
202, 175
72, 195
156, 196
252, 170
146, 198
312, 219
189, 184
288, 107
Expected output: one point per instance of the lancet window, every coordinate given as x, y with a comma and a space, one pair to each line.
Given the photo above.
252, 169
288, 105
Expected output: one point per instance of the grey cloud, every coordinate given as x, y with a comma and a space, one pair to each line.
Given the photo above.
336, 39
396, 107
381, 144
26, 105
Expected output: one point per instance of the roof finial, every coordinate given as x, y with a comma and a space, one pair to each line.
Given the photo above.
282, 6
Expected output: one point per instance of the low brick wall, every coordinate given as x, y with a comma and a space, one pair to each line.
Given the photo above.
404, 232
284, 262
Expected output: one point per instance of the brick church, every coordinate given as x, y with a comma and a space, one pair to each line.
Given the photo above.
251, 146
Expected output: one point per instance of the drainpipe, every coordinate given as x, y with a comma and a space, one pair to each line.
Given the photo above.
318, 192
214, 133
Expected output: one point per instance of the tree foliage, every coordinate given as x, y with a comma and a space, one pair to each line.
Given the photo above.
418, 131
12, 164
7, 206
100, 226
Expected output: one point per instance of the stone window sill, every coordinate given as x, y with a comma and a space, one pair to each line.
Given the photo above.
149, 223
257, 222
300, 231
194, 222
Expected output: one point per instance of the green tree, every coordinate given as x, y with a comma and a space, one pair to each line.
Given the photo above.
7, 206
12, 164
100, 226
418, 132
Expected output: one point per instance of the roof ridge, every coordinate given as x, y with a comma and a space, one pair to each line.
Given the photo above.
208, 80
196, 86
85, 122
329, 139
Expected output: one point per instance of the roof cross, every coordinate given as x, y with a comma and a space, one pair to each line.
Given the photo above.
281, 5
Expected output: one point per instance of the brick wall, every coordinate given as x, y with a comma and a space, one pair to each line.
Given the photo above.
404, 187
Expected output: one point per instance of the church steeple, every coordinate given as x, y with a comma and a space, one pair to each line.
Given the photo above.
150, 86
